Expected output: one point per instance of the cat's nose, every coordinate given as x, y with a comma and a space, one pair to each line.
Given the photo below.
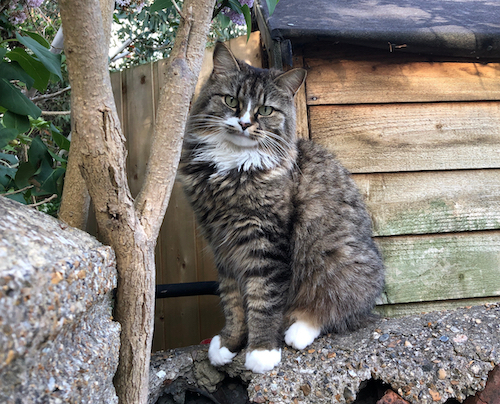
245, 125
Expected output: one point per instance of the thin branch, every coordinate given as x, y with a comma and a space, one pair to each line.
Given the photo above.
18, 191
122, 47
51, 95
44, 201
56, 113
176, 6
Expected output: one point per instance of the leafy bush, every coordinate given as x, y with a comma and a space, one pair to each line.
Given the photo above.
31, 167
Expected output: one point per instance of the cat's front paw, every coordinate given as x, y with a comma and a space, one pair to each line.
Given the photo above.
218, 355
261, 361
301, 334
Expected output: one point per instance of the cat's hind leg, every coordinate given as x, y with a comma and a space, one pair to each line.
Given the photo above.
223, 347
302, 332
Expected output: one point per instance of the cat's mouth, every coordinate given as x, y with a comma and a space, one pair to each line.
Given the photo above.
241, 139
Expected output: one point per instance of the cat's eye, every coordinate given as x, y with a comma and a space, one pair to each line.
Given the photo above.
264, 110
230, 101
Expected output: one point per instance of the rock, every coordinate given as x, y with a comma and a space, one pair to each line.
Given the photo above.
58, 341
412, 358
391, 398
491, 393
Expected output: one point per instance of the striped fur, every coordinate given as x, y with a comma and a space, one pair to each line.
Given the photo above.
289, 231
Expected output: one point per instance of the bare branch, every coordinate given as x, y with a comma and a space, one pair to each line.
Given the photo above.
56, 113
44, 201
19, 191
176, 6
51, 95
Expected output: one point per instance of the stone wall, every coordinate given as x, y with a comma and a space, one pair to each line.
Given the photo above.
58, 342
426, 359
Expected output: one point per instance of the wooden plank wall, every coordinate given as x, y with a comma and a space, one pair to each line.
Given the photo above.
181, 254
422, 139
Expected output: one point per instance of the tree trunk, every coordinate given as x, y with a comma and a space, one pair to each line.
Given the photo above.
131, 229
76, 199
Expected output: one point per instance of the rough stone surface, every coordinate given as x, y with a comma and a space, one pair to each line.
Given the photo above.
58, 342
491, 393
425, 359
391, 398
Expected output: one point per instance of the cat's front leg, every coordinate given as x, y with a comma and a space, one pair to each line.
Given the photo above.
223, 347
265, 302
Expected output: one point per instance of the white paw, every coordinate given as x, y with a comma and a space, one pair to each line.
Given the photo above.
301, 334
219, 356
260, 361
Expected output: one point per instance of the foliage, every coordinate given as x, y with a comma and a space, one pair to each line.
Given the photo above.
148, 31
32, 150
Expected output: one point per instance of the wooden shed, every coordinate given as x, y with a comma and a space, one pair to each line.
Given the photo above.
406, 93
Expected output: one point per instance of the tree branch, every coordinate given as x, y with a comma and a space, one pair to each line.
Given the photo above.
56, 113
52, 95
180, 80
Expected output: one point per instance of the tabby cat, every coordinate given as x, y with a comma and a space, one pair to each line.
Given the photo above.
288, 228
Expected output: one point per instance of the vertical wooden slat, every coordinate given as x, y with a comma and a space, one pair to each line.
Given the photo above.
301, 101
211, 316
139, 121
177, 264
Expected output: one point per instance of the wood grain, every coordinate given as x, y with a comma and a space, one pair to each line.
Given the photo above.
441, 267
432, 202
332, 81
410, 137
138, 121
176, 263
301, 103
406, 309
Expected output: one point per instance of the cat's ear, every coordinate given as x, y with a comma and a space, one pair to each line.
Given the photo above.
224, 61
291, 80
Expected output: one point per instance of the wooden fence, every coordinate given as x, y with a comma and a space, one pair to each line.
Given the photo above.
422, 140
181, 254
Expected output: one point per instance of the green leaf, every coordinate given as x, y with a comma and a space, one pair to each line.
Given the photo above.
12, 99
3, 51
50, 60
47, 179
236, 6
13, 71
159, 5
24, 174
271, 5
37, 37
6, 175
6, 135
11, 159
17, 197
61, 141
248, 19
38, 153
31, 66
224, 21
20, 123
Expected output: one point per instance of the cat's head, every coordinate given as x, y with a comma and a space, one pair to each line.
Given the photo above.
244, 112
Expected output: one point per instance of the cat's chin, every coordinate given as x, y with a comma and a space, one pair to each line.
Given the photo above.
241, 140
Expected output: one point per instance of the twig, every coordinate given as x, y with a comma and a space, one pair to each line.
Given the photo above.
44, 201
46, 96
176, 6
121, 48
19, 190
56, 113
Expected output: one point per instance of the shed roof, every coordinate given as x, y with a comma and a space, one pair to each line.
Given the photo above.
464, 28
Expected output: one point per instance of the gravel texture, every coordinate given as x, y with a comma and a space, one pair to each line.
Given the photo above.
426, 359
58, 341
